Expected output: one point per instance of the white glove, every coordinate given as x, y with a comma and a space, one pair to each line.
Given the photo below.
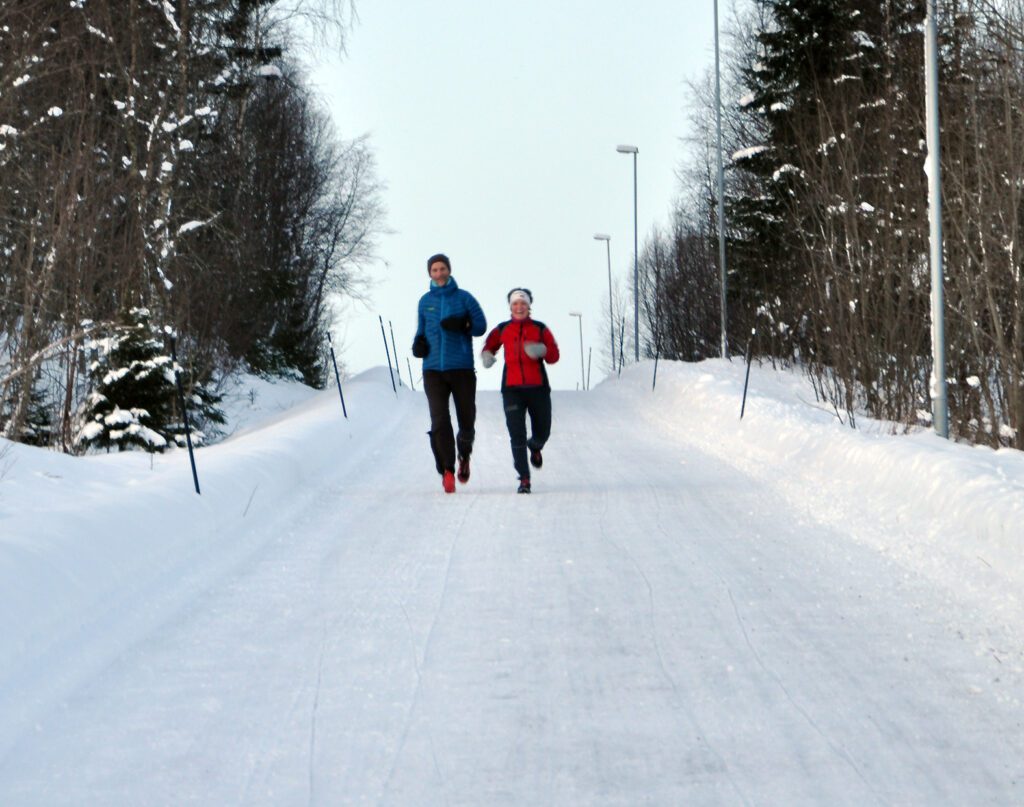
487, 358
535, 350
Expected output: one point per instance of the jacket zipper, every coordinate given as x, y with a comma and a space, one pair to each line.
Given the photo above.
522, 367
441, 317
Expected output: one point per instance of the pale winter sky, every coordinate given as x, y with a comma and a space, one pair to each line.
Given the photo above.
495, 130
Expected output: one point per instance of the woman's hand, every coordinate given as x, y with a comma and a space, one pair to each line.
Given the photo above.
535, 350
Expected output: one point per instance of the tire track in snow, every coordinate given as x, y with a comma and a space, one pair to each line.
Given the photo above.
418, 664
838, 750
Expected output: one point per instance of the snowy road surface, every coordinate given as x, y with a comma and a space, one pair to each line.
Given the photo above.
651, 626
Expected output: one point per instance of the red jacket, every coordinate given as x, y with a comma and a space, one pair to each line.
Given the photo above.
520, 369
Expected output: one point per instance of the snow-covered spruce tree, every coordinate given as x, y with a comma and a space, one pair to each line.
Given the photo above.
36, 427
133, 402
830, 215
802, 44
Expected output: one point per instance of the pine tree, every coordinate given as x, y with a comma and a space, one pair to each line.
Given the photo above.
131, 403
134, 400
37, 425
804, 47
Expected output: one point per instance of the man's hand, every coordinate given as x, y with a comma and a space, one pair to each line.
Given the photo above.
461, 323
420, 347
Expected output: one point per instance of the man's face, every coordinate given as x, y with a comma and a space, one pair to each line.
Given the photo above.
439, 272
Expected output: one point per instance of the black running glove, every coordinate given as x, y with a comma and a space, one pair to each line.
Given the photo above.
458, 324
420, 347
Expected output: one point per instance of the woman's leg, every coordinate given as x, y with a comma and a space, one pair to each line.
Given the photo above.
515, 420
540, 418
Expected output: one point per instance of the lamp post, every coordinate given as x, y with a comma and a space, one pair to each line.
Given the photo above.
636, 262
721, 195
940, 411
611, 313
583, 375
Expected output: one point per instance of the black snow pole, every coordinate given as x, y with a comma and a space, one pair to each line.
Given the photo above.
746, 380
398, 369
409, 365
622, 341
388, 352
184, 416
337, 378
657, 354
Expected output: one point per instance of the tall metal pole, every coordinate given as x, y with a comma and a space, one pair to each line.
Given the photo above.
636, 273
611, 312
636, 257
721, 195
583, 373
940, 412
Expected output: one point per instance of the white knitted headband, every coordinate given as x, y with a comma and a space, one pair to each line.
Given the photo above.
520, 294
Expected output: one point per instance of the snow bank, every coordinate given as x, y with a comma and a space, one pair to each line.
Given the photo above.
84, 540
953, 512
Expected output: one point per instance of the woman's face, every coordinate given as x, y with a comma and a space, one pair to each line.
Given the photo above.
520, 310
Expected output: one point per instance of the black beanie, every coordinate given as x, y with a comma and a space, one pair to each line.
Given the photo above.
440, 256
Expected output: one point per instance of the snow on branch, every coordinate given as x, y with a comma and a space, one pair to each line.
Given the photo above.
747, 153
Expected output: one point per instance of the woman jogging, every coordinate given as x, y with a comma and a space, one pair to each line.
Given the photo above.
525, 389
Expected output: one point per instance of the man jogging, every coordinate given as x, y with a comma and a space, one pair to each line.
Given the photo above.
448, 320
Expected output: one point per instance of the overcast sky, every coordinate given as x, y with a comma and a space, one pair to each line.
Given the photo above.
494, 128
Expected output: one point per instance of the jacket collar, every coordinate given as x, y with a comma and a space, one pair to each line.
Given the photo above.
447, 288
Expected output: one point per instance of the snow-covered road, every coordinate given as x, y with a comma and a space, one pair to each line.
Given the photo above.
651, 626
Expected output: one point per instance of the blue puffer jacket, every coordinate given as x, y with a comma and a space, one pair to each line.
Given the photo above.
449, 350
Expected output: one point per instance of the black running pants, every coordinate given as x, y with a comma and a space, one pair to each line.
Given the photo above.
440, 386
520, 402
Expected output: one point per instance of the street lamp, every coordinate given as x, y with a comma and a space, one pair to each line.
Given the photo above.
583, 376
611, 313
636, 262
940, 410
721, 194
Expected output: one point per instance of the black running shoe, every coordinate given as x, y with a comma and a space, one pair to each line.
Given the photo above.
463, 472
524, 485
536, 460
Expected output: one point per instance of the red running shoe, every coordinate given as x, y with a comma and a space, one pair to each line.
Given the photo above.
524, 485
463, 474
536, 460
448, 480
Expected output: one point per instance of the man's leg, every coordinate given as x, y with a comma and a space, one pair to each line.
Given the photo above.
463, 386
441, 434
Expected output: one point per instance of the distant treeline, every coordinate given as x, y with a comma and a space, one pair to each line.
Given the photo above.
827, 214
165, 158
